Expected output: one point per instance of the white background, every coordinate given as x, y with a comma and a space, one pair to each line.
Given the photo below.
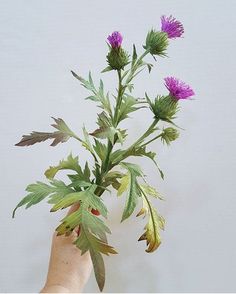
40, 42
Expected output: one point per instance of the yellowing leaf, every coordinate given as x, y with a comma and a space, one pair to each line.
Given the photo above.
154, 225
124, 183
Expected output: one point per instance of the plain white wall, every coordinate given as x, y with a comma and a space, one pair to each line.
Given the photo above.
40, 41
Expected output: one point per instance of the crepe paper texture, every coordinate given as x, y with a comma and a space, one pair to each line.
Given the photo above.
111, 168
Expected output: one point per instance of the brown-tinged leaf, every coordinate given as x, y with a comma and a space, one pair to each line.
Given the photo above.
154, 225
60, 136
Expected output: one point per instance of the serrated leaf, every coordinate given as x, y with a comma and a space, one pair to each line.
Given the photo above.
98, 94
71, 163
60, 136
60, 190
117, 155
100, 149
68, 200
111, 178
130, 87
106, 128
124, 183
128, 105
132, 187
149, 190
39, 191
86, 143
87, 241
87, 198
99, 268
136, 151
154, 225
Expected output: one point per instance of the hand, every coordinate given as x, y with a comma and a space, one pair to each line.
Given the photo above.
68, 271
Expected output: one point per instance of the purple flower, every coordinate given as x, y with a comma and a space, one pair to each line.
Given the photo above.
115, 39
172, 27
178, 89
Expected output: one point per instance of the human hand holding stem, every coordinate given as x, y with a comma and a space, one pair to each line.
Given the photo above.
68, 270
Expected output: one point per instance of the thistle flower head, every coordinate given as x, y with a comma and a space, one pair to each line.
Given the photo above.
168, 135
178, 89
163, 107
156, 43
115, 39
172, 27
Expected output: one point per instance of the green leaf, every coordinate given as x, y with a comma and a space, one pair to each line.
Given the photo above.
128, 105
98, 94
100, 149
124, 183
120, 155
86, 172
104, 133
60, 190
106, 128
108, 68
93, 231
87, 84
149, 65
60, 136
99, 268
134, 56
71, 163
86, 143
111, 178
117, 155
130, 87
149, 190
39, 191
78, 184
130, 183
87, 241
68, 200
154, 225
87, 198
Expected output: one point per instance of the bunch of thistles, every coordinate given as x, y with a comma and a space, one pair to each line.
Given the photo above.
89, 183
156, 44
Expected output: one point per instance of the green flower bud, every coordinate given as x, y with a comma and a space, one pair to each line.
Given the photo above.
169, 134
117, 58
164, 107
156, 43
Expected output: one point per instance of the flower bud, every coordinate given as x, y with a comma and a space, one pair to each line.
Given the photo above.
169, 134
156, 43
164, 107
117, 58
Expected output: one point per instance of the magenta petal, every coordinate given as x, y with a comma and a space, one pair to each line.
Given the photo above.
178, 89
172, 27
115, 39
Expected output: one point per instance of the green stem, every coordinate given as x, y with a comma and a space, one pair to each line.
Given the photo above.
136, 143
146, 133
110, 146
106, 166
119, 99
148, 142
135, 67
